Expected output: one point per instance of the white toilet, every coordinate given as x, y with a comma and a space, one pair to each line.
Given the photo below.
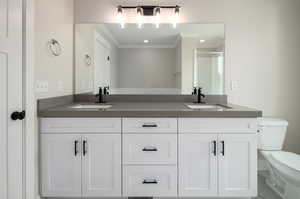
284, 167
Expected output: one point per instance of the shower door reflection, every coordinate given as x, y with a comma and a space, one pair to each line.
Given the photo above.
209, 71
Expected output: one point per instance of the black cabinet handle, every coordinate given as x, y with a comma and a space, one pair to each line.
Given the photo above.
150, 149
18, 115
75, 147
150, 181
215, 148
149, 125
84, 148
223, 148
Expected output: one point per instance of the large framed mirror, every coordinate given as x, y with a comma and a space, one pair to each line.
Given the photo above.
149, 60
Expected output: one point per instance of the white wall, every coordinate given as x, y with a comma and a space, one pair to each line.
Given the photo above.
54, 19
262, 50
147, 67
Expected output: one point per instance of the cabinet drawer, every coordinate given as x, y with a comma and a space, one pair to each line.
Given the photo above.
150, 125
150, 149
217, 125
81, 125
150, 181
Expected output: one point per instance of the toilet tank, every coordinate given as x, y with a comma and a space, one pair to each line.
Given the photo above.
272, 133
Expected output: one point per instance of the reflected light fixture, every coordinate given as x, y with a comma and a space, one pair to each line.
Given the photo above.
120, 16
146, 41
157, 16
139, 11
202, 40
176, 16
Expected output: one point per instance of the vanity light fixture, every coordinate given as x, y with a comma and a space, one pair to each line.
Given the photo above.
146, 41
149, 11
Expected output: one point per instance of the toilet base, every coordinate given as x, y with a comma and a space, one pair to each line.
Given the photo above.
278, 182
278, 190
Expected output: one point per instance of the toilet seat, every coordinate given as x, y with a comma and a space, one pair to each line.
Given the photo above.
291, 160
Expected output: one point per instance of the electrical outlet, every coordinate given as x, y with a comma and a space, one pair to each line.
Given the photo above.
41, 86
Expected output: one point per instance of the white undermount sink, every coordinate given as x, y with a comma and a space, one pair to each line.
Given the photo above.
92, 106
205, 106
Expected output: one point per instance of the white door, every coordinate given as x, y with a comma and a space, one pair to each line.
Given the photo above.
101, 166
11, 180
237, 165
197, 163
60, 165
101, 62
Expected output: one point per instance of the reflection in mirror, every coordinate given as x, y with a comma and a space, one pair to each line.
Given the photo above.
150, 60
209, 70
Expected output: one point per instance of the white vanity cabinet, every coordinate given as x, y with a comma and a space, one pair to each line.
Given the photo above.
79, 158
158, 157
217, 157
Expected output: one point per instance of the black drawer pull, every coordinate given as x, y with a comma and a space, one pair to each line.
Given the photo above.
75, 147
150, 149
149, 125
150, 182
223, 148
215, 148
84, 148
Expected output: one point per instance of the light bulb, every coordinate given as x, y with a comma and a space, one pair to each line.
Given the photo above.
157, 16
176, 16
139, 16
120, 16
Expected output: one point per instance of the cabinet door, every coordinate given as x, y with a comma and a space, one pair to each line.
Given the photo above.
101, 165
238, 165
197, 165
60, 166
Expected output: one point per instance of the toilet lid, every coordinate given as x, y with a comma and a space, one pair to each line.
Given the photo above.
291, 160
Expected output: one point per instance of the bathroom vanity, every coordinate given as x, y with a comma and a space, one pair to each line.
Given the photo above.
149, 138
148, 149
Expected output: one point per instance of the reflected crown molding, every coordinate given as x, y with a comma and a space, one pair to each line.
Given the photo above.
147, 46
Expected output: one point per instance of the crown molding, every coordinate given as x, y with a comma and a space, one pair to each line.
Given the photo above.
108, 33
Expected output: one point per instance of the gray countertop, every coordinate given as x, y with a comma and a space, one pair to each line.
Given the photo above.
142, 109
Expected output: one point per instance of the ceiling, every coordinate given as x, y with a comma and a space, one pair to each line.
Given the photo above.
165, 35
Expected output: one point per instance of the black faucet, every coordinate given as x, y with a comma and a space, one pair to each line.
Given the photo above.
200, 95
102, 92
